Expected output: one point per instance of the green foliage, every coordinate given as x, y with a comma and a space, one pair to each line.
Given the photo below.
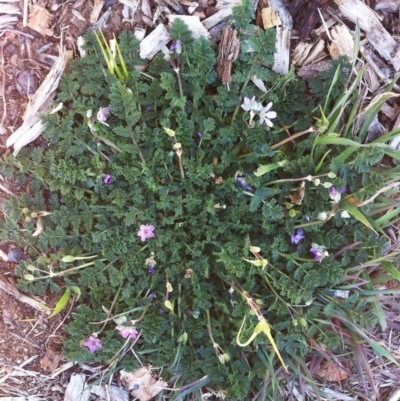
204, 223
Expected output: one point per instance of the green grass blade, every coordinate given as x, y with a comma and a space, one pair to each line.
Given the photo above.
357, 214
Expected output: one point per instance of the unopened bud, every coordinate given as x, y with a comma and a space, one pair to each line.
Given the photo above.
68, 259
28, 219
25, 210
327, 184
33, 215
303, 322
31, 268
332, 175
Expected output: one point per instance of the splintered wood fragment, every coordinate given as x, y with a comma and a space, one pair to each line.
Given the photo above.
147, 14
228, 53
97, 6
316, 50
153, 43
41, 103
77, 388
358, 12
342, 42
7, 20
283, 35
227, 4
389, 6
282, 53
270, 18
218, 17
114, 393
9, 9
10, 289
194, 24
174, 4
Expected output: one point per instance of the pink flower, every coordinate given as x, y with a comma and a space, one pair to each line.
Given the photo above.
145, 232
93, 344
127, 332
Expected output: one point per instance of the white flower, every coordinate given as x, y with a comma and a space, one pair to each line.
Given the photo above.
265, 115
345, 214
322, 216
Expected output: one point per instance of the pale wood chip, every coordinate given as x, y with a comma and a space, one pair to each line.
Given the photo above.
96, 10
282, 53
77, 389
270, 18
342, 42
358, 12
154, 42
194, 24
218, 17
9, 288
115, 393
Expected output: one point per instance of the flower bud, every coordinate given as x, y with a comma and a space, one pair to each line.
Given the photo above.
332, 175
68, 259
327, 184
28, 219
317, 182
29, 277
295, 322
33, 215
25, 210
31, 268
303, 322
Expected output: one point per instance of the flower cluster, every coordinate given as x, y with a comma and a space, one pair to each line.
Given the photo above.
256, 108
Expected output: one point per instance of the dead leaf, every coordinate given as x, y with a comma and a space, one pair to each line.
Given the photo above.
39, 227
219, 180
50, 360
270, 18
142, 383
331, 372
297, 197
39, 20
343, 44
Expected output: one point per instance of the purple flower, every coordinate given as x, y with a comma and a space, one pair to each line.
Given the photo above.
148, 109
335, 195
242, 182
152, 295
160, 311
343, 190
177, 47
127, 332
266, 115
200, 135
318, 255
296, 238
103, 113
318, 251
93, 344
151, 271
107, 179
145, 232
307, 218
